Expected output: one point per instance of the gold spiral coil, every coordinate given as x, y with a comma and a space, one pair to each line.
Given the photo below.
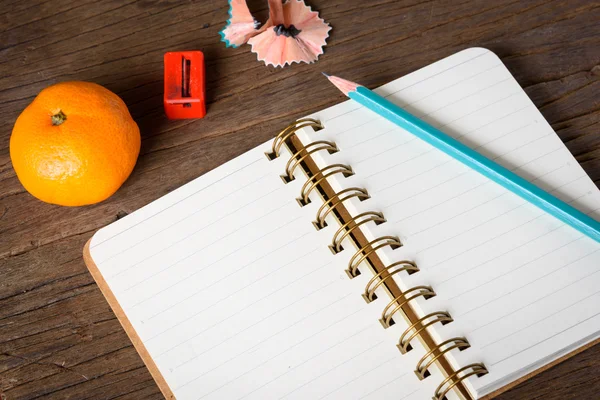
331, 204
347, 228
324, 173
392, 269
364, 252
419, 326
457, 377
305, 152
288, 132
430, 357
386, 315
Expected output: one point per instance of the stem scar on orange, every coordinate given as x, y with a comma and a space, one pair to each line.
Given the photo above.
75, 144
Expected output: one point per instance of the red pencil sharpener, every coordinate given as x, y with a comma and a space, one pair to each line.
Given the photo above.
184, 85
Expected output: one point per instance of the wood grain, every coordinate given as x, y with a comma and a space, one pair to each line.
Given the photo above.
58, 337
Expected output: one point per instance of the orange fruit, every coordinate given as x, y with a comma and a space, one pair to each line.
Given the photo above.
75, 144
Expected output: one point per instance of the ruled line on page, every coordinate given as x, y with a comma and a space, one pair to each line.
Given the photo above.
266, 296
462, 81
458, 100
198, 231
204, 248
236, 271
380, 365
184, 218
567, 307
472, 208
546, 339
287, 350
460, 175
545, 297
484, 53
431, 113
435, 166
265, 339
546, 233
533, 281
523, 265
410, 104
387, 384
204, 289
217, 323
411, 85
499, 236
227, 317
377, 344
308, 274
504, 194
429, 151
432, 150
305, 362
200, 270
179, 201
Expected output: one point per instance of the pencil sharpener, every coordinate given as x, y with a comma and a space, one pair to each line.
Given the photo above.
184, 85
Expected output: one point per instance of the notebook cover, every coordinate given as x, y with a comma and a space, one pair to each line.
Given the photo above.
513, 384
133, 336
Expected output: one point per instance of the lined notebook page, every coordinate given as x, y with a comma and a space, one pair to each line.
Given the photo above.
522, 287
236, 296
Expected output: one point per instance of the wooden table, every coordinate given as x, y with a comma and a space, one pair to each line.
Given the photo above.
58, 336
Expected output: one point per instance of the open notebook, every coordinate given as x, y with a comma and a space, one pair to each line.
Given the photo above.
246, 283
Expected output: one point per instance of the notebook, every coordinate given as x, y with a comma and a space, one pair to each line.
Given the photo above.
347, 259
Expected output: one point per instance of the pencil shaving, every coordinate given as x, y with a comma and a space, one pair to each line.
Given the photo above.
241, 25
293, 33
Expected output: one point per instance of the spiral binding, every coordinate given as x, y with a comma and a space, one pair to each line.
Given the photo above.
419, 326
398, 302
346, 229
312, 182
303, 154
291, 129
389, 271
364, 252
329, 206
457, 377
430, 357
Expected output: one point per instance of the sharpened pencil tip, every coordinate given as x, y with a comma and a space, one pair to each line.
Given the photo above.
325, 74
342, 84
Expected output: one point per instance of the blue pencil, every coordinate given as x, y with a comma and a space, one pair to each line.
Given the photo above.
511, 181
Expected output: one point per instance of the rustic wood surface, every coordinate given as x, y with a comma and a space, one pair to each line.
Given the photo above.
58, 337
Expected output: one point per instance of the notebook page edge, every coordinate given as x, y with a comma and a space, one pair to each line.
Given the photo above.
488, 395
125, 323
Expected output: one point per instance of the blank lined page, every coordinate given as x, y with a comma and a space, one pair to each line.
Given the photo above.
235, 295
522, 287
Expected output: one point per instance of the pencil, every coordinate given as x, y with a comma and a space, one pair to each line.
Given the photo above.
494, 171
